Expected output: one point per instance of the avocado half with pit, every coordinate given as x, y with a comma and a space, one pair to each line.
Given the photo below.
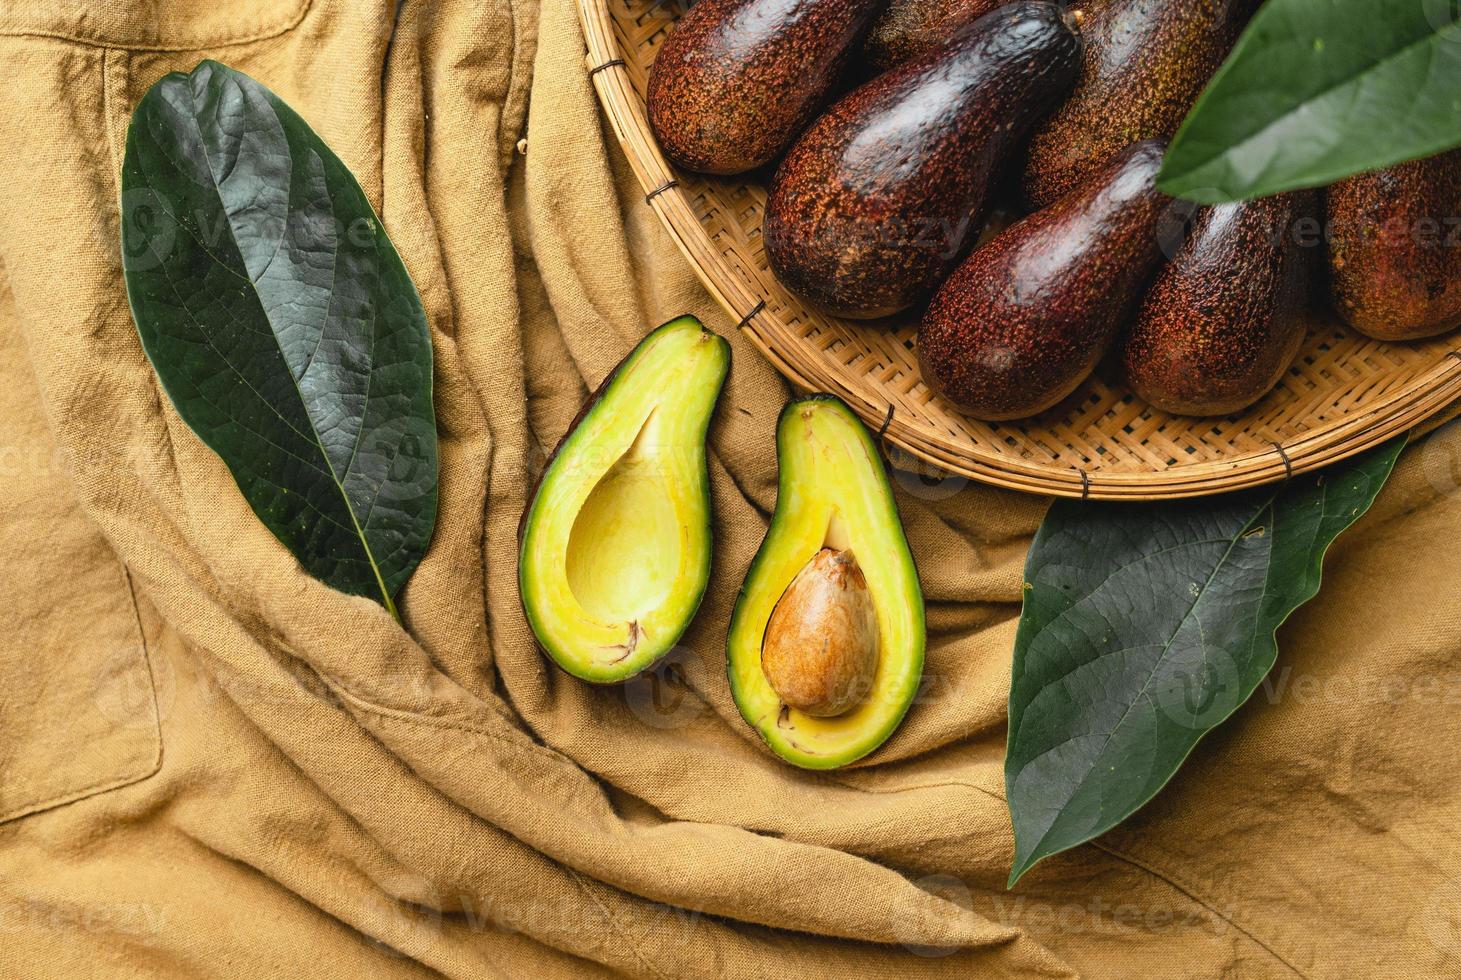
614, 551
832, 601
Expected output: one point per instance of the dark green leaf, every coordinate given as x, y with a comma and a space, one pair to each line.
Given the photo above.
1317, 90
282, 324
1143, 628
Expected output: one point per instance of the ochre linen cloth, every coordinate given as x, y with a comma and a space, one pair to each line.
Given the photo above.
213, 766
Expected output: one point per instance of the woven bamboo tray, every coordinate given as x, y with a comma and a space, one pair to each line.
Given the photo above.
1344, 393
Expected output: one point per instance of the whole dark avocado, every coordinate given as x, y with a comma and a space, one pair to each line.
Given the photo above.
908, 28
1145, 63
1395, 249
1028, 316
737, 80
876, 201
1225, 317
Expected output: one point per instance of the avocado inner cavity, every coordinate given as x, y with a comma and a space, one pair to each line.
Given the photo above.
624, 549
615, 550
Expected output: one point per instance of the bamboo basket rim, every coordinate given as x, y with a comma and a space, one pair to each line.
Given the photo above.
1394, 412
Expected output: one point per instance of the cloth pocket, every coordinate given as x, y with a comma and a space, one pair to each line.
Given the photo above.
78, 709
153, 25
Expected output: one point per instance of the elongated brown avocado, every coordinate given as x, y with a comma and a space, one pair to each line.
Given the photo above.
908, 28
877, 200
1145, 63
1027, 317
737, 80
1395, 249
1226, 316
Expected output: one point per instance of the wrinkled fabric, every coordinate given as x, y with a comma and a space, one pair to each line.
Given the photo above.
212, 765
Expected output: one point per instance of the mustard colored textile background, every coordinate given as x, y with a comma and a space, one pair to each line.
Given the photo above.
213, 766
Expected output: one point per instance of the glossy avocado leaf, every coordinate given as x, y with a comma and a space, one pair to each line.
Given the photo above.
282, 324
832, 493
615, 545
1317, 90
1144, 628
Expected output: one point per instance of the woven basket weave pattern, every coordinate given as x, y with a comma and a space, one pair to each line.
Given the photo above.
1343, 394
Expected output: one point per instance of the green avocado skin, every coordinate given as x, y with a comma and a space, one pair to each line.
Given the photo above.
877, 200
1225, 318
1028, 316
738, 80
1395, 249
1145, 63
908, 28
701, 533
792, 481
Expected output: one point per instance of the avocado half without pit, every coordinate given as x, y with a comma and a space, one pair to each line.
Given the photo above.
614, 551
826, 641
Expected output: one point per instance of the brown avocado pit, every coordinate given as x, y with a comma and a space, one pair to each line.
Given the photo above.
820, 652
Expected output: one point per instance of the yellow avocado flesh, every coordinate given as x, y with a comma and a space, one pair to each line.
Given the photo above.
833, 493
615, 551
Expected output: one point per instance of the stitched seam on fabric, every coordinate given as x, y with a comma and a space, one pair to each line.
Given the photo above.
613, 922
534, 748
106, 123
909, 789
443, 723
1190, 892
548, 753
440, 331
257, 869
154, 385
150, 769
76, 796
385, 76
530, 747
186, 45
505, 142
1168, 879
154, 765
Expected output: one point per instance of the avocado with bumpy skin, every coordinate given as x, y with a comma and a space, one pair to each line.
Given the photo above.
737, 80
877, 200
1225, 317
1028, 316
1145, 63
1395, 249
908, 28
827, 638
615, 546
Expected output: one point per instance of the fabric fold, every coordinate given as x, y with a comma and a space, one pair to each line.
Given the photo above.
323, 792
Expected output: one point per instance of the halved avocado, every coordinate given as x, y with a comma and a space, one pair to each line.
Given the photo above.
614, 551
833, 493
